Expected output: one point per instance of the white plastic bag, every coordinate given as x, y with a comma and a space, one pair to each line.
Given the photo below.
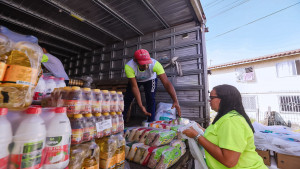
196, 150
164, 112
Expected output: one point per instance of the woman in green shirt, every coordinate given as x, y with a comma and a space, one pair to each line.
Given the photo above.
229, 140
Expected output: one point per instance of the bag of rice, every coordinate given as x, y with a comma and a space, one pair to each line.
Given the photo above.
169, 157
180, 145
132, 151
146, 156
163, 137
156, 155
138, 134
151, 136
144, 135
140, 152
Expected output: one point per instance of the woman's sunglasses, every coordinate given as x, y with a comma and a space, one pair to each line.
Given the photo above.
213, 97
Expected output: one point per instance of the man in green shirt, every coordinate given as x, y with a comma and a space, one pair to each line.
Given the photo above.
142, 70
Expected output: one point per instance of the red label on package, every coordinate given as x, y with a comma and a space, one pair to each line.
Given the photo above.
77, 136
3, 162
73, 106
56, 154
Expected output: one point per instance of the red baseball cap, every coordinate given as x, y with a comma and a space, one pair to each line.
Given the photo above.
142, 56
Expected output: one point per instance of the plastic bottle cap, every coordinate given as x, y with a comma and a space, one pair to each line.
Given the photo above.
119, 92
76, 88
105, 114
113, 113
119, 113
61, 78
60, 110
77, 116
113, 92
87, 89
67, 88
105, 91
88, 115
97, 114
34, 110
96, 90
3, 111
51, 77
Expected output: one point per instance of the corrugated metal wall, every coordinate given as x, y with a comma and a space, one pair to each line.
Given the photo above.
106, 66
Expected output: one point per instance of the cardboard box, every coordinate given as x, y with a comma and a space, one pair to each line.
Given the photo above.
265, 155
284, 161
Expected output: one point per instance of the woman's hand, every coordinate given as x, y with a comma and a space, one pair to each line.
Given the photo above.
144, 110
191, 132
177, 107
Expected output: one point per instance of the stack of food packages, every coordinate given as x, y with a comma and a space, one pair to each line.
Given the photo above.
158, 145
20, 66
97, 125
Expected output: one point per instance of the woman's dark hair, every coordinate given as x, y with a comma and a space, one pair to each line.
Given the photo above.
230, 100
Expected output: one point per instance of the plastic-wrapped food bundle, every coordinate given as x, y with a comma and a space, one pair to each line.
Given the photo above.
151, 136
138, 134
163, 137
20, 79
81, 151
107, 124
140, 152
169, 157
133, 150
156, 155
145, 135
108, 147
120, 153
146, 156
180, 145
77, 129
120, 122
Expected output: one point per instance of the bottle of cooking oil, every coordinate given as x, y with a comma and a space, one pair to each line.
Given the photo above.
23, 67
90, 162
120, 153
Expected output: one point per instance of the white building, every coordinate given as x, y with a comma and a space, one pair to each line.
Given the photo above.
270, 82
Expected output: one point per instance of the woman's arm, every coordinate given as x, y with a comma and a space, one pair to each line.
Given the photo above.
227, 157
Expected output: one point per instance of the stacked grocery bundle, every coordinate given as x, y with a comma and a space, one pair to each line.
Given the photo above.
38, 141
20, 66
158, 145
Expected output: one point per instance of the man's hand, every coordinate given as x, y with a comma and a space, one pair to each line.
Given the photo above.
145, 111
176, 105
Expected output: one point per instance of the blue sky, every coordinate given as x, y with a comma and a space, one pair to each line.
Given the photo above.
276, 33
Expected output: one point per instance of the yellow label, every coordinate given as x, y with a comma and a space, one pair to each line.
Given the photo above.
20, 75
2, 70
107, 163
92, 167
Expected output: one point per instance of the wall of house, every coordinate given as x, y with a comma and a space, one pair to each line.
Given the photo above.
266, 87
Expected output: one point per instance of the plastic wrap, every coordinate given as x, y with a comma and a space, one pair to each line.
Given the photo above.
164, 112
21, 75
197, 151
133, 150
79, 152
169, 157
140, 152
163, 137
156, 155
146, 156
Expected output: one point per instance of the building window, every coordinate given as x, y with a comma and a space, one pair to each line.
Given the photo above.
244, 74
249, 103
288, 68
289, 104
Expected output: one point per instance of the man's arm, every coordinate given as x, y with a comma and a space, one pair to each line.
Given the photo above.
136, 92
170, 89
